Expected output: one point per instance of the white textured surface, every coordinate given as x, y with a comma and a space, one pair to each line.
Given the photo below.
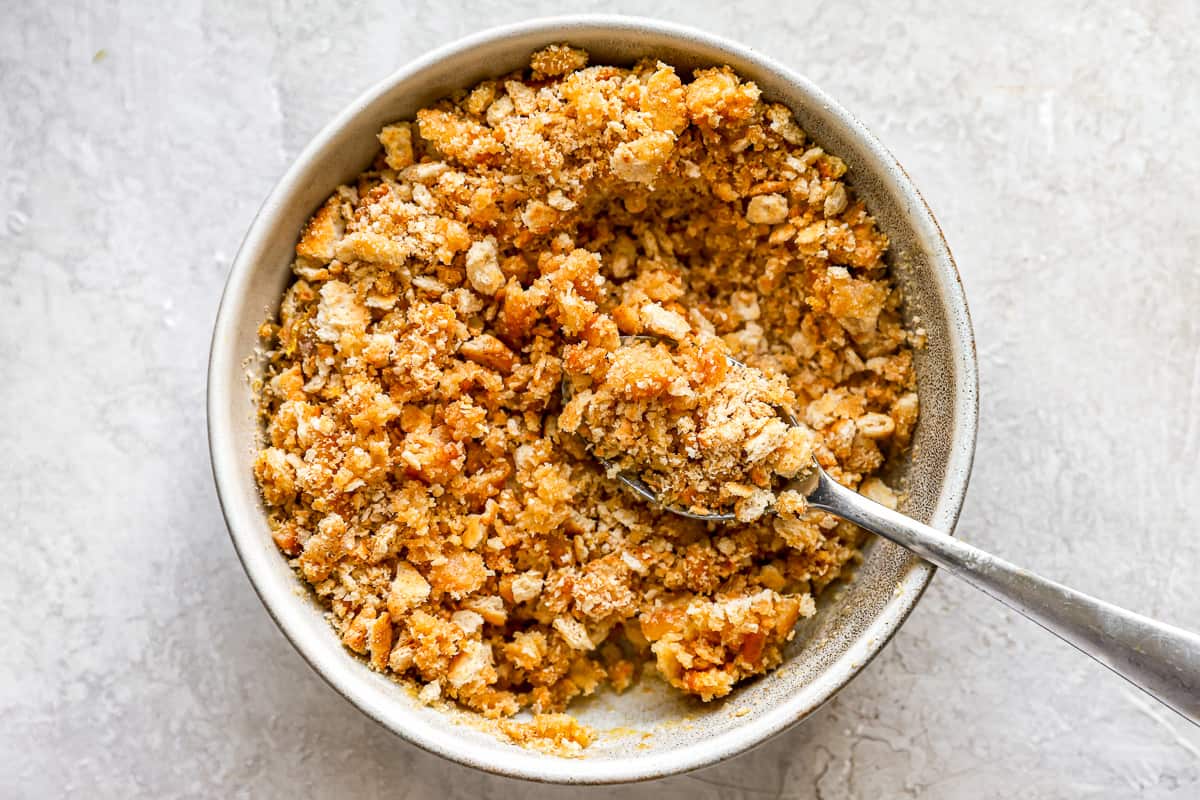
1058, 150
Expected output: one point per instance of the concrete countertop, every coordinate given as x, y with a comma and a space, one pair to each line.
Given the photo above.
1059, 150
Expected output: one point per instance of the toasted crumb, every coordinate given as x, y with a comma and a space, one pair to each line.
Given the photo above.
408, 590
559, 734
706, 647
526, 586
641, 160
419, 466
657, 319
397, 144
767, 209
483, 268
558, 59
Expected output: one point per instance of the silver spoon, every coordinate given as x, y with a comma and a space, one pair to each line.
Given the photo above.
1159, 659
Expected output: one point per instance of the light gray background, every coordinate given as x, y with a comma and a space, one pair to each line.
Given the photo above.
1059, 149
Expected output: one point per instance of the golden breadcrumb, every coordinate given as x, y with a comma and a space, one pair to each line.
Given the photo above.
415, 468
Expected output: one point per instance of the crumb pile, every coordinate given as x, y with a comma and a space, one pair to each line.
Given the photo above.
704, 434
415, 468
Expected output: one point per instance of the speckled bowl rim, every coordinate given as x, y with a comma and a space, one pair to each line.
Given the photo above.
281, 603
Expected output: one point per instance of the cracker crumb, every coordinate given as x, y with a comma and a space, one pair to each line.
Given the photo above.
767, 209
557, 734
419, 466
558, 59
483, 267
397, 144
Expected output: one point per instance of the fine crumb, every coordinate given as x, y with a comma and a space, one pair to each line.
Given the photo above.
418, 466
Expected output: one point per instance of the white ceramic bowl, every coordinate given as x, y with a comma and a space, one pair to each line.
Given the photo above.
658, 731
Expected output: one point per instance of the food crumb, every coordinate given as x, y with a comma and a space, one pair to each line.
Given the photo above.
558, 734
417, 463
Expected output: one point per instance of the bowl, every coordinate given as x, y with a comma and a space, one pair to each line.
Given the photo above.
649, 731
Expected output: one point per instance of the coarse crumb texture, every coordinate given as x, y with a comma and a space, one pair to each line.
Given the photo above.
414, 466
705, 435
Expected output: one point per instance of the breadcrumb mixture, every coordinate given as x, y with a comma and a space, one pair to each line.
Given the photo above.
415, 468
704, 434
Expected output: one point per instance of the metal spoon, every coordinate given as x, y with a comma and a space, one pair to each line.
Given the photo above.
1159, 659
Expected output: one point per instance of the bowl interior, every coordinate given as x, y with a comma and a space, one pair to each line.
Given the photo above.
648, 731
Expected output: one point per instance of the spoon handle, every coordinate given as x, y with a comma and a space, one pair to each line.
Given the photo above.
1160, 659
